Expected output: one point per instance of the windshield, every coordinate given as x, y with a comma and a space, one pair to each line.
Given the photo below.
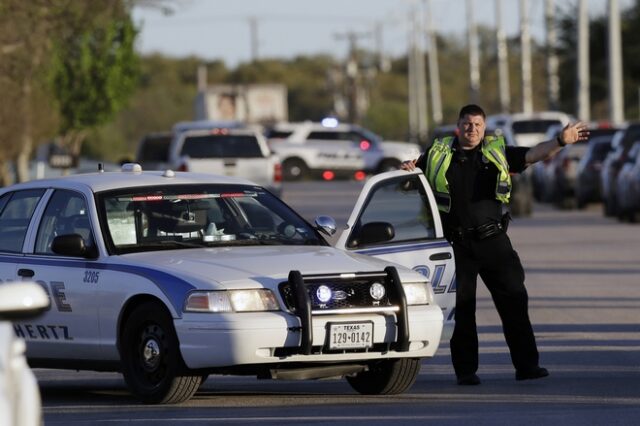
187, 216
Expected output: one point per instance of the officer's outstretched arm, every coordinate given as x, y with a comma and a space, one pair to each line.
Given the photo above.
572, 133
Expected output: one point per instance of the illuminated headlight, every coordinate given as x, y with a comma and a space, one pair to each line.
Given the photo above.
323, 293
231, 301
377, 291
418, 293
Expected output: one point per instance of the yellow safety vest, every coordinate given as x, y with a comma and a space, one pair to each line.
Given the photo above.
439, 159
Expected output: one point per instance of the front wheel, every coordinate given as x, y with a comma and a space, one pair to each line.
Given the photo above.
151, 362
388, 377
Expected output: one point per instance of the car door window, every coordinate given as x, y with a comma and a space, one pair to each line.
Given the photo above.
66, 213
15, 215
401, 202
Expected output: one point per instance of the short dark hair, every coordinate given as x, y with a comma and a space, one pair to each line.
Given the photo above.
471, 109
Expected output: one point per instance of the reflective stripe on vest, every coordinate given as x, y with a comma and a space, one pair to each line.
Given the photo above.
439, 159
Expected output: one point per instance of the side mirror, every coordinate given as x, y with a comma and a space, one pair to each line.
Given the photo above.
326, 225
73, 245
372, 233
22, 300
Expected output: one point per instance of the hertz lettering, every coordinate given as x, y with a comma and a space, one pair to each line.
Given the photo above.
42, 332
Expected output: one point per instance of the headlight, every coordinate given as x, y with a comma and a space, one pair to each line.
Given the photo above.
418, 293
231, 301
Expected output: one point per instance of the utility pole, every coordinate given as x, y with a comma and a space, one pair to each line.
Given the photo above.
525, 43
411, 82
474, 55
616, 102
202, 78
253, 29
352, 73
383, 63
418, 126
503, 61
553, 81
434, 72
583, 82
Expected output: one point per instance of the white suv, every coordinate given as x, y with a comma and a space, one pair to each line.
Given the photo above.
529, 129
229, 150
309, 149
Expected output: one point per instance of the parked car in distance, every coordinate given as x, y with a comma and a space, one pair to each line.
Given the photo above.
152, 151
626, 197
554, 179
170, 276
588, 185
330, 149
20, 403
223, 147
231, 149
612, 164
529, 129
632, 191
561, 172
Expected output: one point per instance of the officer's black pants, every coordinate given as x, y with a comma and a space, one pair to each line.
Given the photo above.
499, 267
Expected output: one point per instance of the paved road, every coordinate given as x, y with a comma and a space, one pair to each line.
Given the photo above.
583, 276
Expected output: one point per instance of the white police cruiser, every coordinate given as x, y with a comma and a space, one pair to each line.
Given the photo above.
168, 277
333, 149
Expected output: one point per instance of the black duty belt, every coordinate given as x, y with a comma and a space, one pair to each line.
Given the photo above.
480, 232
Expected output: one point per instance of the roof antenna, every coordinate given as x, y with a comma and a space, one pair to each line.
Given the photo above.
100, 168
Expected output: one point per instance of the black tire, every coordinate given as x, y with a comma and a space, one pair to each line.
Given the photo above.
151, 362
294, 169
609, 207
388, 377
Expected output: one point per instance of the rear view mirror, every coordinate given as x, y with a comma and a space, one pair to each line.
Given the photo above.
372, 233
73, 245
326, 225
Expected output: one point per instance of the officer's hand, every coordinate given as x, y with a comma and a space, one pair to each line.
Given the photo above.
574, 132
408, 165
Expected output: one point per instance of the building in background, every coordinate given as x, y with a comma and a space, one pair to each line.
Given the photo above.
249, 103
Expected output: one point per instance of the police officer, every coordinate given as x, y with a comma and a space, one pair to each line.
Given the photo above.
470, 176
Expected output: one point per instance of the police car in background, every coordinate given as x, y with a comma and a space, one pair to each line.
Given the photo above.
19, 394
330, 149
171, 276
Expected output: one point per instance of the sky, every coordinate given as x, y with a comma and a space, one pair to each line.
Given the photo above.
221, 29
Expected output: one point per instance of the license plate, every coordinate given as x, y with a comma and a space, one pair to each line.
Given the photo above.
350, 335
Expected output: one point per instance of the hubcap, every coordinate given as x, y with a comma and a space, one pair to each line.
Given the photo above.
151, 354
295, 171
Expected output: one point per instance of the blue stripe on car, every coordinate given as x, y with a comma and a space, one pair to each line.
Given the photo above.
403, 248
173, 287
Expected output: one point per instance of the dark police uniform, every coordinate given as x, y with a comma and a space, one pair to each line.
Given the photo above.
474, 209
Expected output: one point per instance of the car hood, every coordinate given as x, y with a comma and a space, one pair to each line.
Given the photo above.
264, 266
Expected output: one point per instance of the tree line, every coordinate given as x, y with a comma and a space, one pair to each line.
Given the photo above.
69, 73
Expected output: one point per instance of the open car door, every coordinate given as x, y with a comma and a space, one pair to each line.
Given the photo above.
396, 219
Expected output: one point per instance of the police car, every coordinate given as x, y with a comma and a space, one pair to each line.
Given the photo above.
171, 276
331, 149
